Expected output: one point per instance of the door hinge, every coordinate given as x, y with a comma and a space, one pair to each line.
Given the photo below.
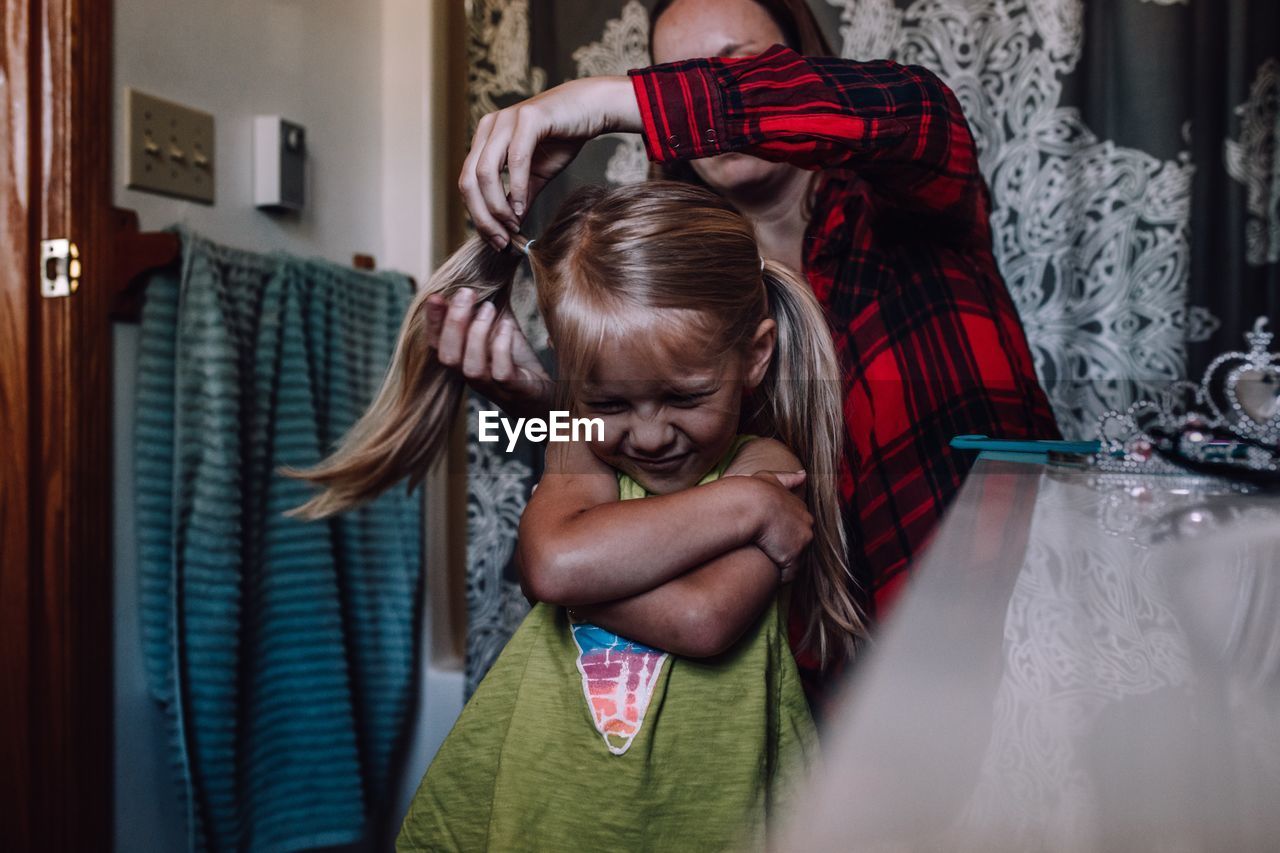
59, 268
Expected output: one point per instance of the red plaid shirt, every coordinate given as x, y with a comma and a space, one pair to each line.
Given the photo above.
899, 253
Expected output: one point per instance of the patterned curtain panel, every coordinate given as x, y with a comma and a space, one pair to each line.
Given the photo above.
1131, 149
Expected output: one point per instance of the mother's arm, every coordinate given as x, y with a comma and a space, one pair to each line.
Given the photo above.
899, 127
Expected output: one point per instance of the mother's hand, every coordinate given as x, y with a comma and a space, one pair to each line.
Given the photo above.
490, 351
533, 141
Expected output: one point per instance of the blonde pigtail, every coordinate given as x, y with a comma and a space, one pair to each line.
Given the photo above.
803, 405
405, 428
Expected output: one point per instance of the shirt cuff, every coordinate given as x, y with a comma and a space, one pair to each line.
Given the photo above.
681, 111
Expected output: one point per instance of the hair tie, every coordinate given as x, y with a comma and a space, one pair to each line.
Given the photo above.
528, 244
762, 264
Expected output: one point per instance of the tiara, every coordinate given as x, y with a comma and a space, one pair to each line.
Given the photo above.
1227, 426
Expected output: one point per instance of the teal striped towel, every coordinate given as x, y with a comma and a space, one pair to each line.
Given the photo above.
281, 652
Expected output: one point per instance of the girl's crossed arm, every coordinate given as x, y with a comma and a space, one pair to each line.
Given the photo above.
694, 566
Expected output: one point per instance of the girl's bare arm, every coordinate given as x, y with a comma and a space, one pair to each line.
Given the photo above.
579, 544
699, 614
704, 611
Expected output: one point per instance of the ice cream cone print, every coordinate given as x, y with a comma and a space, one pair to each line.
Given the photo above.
618, 680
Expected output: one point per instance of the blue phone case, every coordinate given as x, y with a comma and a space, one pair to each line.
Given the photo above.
1007, 445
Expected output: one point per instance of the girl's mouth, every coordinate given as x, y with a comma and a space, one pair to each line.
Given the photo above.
667, 463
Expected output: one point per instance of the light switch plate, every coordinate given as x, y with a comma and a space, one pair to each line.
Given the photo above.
170, 147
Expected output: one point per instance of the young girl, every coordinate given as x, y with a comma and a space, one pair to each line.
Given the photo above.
649, 701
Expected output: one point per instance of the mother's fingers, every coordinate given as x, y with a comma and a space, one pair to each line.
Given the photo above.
489, 168
472, 194
528, 128
503, 368
453, 335
437, 307
475, 359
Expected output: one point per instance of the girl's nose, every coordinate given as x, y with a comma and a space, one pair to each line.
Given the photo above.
651, 436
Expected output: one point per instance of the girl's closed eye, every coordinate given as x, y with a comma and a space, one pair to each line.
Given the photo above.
606, 406
688, 399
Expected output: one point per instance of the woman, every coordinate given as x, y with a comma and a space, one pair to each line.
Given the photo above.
893, 236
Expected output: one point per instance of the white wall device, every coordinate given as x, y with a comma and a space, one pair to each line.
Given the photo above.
279, 163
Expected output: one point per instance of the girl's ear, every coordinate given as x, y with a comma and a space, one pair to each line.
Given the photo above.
760, 353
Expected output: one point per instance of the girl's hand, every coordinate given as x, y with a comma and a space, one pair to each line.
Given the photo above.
533, 141
787, 526
491, 351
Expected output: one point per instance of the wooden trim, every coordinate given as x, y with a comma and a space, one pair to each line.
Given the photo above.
71, 582
18, 265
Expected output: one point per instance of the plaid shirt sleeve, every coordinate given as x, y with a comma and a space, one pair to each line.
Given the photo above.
899, 127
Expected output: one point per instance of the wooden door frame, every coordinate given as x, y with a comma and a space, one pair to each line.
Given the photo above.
55, 417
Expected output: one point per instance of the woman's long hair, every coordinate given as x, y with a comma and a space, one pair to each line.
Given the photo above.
642, 259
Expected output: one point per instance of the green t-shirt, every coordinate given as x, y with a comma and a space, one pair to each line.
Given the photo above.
558, 750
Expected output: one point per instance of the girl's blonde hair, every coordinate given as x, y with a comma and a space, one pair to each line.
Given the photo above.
611, 260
